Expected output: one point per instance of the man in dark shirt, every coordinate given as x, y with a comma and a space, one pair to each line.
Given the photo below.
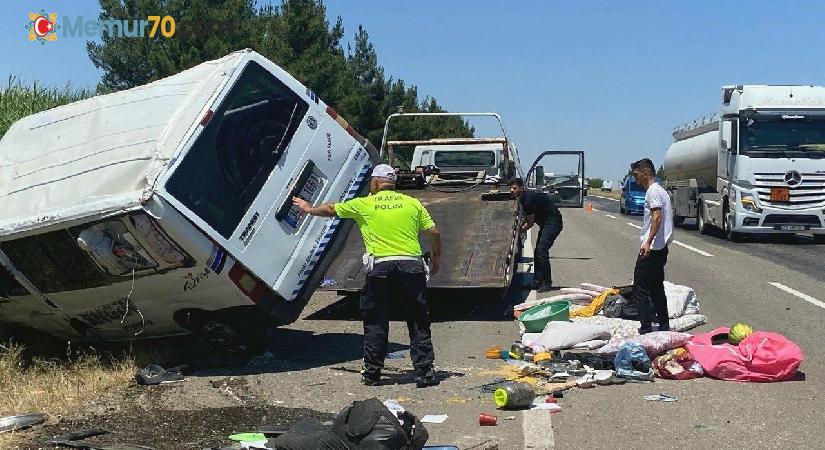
540, 210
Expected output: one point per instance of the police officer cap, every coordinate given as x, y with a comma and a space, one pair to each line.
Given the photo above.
384, 171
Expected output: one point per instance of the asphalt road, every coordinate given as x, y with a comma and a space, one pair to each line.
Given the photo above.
733, 284
313, 364
796, 251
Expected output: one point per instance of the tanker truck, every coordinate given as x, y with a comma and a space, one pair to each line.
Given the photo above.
755, 167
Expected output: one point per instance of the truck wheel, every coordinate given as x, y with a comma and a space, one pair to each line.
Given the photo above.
731, 235
704, 228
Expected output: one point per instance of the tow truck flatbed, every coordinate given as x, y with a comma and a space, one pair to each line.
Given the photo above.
477, 235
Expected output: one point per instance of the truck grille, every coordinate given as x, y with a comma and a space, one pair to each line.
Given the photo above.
810, 193
778, 219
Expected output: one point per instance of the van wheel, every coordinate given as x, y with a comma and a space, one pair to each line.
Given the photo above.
704, 228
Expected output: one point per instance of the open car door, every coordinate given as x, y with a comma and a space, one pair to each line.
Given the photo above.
559, 173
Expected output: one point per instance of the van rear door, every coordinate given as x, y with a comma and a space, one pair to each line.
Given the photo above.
267, 138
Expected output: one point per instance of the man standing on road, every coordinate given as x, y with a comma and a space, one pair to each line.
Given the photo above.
657, 233
390, 223
539, 210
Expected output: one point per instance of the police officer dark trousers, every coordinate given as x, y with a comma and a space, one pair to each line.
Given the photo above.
390, 223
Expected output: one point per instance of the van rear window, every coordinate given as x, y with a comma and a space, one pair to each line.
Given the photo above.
230, 161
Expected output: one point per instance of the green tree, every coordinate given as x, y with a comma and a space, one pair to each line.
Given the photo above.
370, 87
296, 35
660, 173
128, 62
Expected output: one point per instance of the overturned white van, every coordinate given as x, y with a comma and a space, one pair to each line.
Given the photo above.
166, 208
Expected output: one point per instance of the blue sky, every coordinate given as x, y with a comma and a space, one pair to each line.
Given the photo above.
611, 78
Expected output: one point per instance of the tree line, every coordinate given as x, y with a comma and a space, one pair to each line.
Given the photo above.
296, 35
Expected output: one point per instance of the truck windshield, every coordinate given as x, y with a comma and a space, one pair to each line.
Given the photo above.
465, 159
229, 163
783, 136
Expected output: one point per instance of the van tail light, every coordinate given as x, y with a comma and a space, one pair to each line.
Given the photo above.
252, 287
345, 125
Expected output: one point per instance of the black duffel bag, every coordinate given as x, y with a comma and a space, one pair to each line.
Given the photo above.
622, 305
369, 425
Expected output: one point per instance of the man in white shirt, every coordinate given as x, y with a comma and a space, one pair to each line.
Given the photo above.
657, 233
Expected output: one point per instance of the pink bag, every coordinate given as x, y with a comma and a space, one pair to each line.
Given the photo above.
762, 356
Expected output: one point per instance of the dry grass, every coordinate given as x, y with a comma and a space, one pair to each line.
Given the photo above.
615, 193
30, 384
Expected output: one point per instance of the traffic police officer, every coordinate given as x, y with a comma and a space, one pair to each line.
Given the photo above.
390, 223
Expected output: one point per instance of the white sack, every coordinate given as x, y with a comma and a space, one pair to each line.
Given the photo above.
558, 335
593, 287
681, 300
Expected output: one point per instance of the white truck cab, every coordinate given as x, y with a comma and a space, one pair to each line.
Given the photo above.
461, 159
758, 166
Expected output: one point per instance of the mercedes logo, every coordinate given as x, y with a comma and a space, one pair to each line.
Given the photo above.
793, 178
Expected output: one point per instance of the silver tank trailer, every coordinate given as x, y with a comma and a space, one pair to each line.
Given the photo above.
694, 157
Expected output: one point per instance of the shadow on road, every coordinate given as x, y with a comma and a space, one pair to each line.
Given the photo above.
446, 305
288, 350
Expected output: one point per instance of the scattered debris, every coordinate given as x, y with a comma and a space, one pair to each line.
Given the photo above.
13, 423
401, 354
434, 418
154, 374
660, 398
487, 420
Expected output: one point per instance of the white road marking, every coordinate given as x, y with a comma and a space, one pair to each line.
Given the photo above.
612, 217
605, 198
805, 297
537, 428
701, 252
679, 243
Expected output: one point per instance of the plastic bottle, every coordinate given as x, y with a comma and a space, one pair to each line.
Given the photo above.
514, 396
517, 351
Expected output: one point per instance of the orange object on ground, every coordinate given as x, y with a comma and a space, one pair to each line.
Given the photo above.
493, 352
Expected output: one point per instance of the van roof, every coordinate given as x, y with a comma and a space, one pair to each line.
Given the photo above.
103, 154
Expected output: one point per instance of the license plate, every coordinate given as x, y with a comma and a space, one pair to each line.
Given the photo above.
792, 227
780, 195
310, 190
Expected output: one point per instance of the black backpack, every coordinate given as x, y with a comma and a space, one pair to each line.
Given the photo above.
369, 425
621, 305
